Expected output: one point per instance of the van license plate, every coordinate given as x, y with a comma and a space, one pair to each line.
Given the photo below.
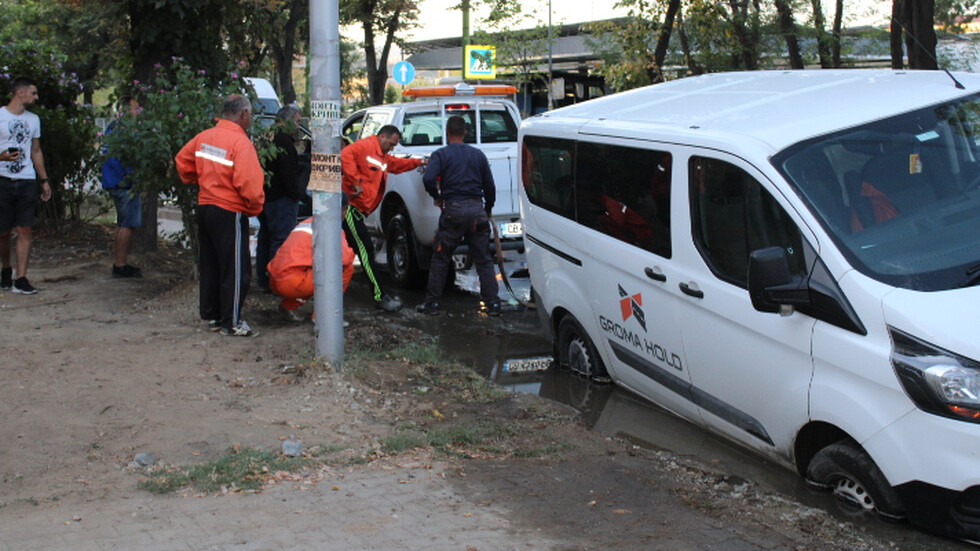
525, 365
511, 229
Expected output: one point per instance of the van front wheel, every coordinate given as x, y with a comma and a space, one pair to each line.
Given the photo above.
855, 480
577, 353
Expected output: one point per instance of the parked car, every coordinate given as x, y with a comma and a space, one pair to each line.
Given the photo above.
406, 221
789, 259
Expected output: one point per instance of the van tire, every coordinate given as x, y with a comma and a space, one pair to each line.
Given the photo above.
577, 352
846, 469
403, 263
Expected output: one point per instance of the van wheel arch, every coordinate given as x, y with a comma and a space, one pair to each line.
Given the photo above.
849, 472
577, 352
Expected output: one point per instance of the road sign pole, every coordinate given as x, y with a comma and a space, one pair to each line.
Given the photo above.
328, 297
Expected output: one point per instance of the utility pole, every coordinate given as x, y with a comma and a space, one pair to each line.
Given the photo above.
465, 7
551, 79
325, 181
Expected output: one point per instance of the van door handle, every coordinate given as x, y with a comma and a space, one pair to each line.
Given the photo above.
692, 290
655, 273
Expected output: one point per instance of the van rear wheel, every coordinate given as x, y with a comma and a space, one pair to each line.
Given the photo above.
577, 352
848, 471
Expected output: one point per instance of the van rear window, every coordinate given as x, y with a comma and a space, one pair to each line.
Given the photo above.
623, 192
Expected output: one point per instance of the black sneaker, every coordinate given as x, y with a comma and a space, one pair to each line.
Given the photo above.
214, 325
493, 309
240, 330
428, 308
6, 278
388, 303
23, 287
126, 271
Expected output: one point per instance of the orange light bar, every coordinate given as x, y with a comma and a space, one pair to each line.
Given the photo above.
461, 89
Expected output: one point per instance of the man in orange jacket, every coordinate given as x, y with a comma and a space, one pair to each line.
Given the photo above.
224, 164
365, 165
291, 270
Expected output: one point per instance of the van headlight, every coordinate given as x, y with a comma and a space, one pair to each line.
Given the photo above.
938, 381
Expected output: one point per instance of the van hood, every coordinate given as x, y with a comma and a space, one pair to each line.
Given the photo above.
947, 319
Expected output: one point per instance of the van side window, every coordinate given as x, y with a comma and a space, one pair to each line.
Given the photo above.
624, 192
546, 171
732, 216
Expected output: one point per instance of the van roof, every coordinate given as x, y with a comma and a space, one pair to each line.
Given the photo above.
776, 108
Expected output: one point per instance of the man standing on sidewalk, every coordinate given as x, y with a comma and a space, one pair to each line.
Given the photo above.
224, 163
365, 165
458, 177
20, 137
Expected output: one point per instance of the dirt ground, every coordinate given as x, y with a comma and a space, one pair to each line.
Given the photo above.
96, 370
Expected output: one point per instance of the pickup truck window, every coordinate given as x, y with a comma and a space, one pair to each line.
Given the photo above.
425, 128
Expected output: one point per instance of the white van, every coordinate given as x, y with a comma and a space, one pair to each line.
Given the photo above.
267, 101
790, 259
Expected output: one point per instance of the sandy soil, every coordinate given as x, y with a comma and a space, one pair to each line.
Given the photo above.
96, 370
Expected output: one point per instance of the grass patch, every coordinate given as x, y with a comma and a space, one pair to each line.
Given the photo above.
451, 439
465, 384
555, 449
241, 469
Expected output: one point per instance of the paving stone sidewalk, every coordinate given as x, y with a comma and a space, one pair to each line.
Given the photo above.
365, 509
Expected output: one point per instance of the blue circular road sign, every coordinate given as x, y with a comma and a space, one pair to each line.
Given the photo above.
404, 72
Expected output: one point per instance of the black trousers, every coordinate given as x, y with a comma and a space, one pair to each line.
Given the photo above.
225, 263
464, 219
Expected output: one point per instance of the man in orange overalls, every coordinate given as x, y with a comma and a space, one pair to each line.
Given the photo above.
291, 270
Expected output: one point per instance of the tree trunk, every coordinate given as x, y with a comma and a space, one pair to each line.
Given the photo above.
692, 65
920, 34
656, 73
835, 44
823, 48
145, 237
787, 26
897, 31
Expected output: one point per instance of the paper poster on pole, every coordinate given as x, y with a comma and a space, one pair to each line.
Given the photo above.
481, 62
325, 172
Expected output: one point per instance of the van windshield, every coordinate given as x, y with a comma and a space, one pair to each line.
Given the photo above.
899, 196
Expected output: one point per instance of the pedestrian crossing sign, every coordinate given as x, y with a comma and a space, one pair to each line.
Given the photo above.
480, 62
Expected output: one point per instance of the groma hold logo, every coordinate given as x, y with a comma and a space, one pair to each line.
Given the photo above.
630, 305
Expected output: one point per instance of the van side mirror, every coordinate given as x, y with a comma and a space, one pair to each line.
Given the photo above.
771, 284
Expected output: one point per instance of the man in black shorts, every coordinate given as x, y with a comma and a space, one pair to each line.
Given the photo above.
20, 173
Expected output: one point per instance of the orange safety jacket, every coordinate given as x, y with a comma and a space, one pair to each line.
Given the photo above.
363, 164
291, 270
223, 162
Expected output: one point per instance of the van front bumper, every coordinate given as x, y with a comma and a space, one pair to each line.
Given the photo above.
951, 513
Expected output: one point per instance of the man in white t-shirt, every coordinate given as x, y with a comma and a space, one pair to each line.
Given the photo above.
21, 170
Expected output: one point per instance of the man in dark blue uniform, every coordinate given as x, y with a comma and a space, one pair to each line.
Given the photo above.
458, 178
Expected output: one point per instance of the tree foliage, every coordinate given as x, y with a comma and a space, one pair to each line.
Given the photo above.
67, 128
178, 103
380, 21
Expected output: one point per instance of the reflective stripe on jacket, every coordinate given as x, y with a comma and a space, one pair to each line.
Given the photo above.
363, 164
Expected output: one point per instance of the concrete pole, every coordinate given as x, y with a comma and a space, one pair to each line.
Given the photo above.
465, 6
328, 297
551, 79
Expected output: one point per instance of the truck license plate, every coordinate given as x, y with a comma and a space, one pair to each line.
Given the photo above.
511, 229
524, 365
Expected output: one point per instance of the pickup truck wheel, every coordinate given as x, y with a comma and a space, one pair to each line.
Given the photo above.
402, 261
577, 353
847, 470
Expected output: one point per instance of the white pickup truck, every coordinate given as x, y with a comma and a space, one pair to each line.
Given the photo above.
407, 219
